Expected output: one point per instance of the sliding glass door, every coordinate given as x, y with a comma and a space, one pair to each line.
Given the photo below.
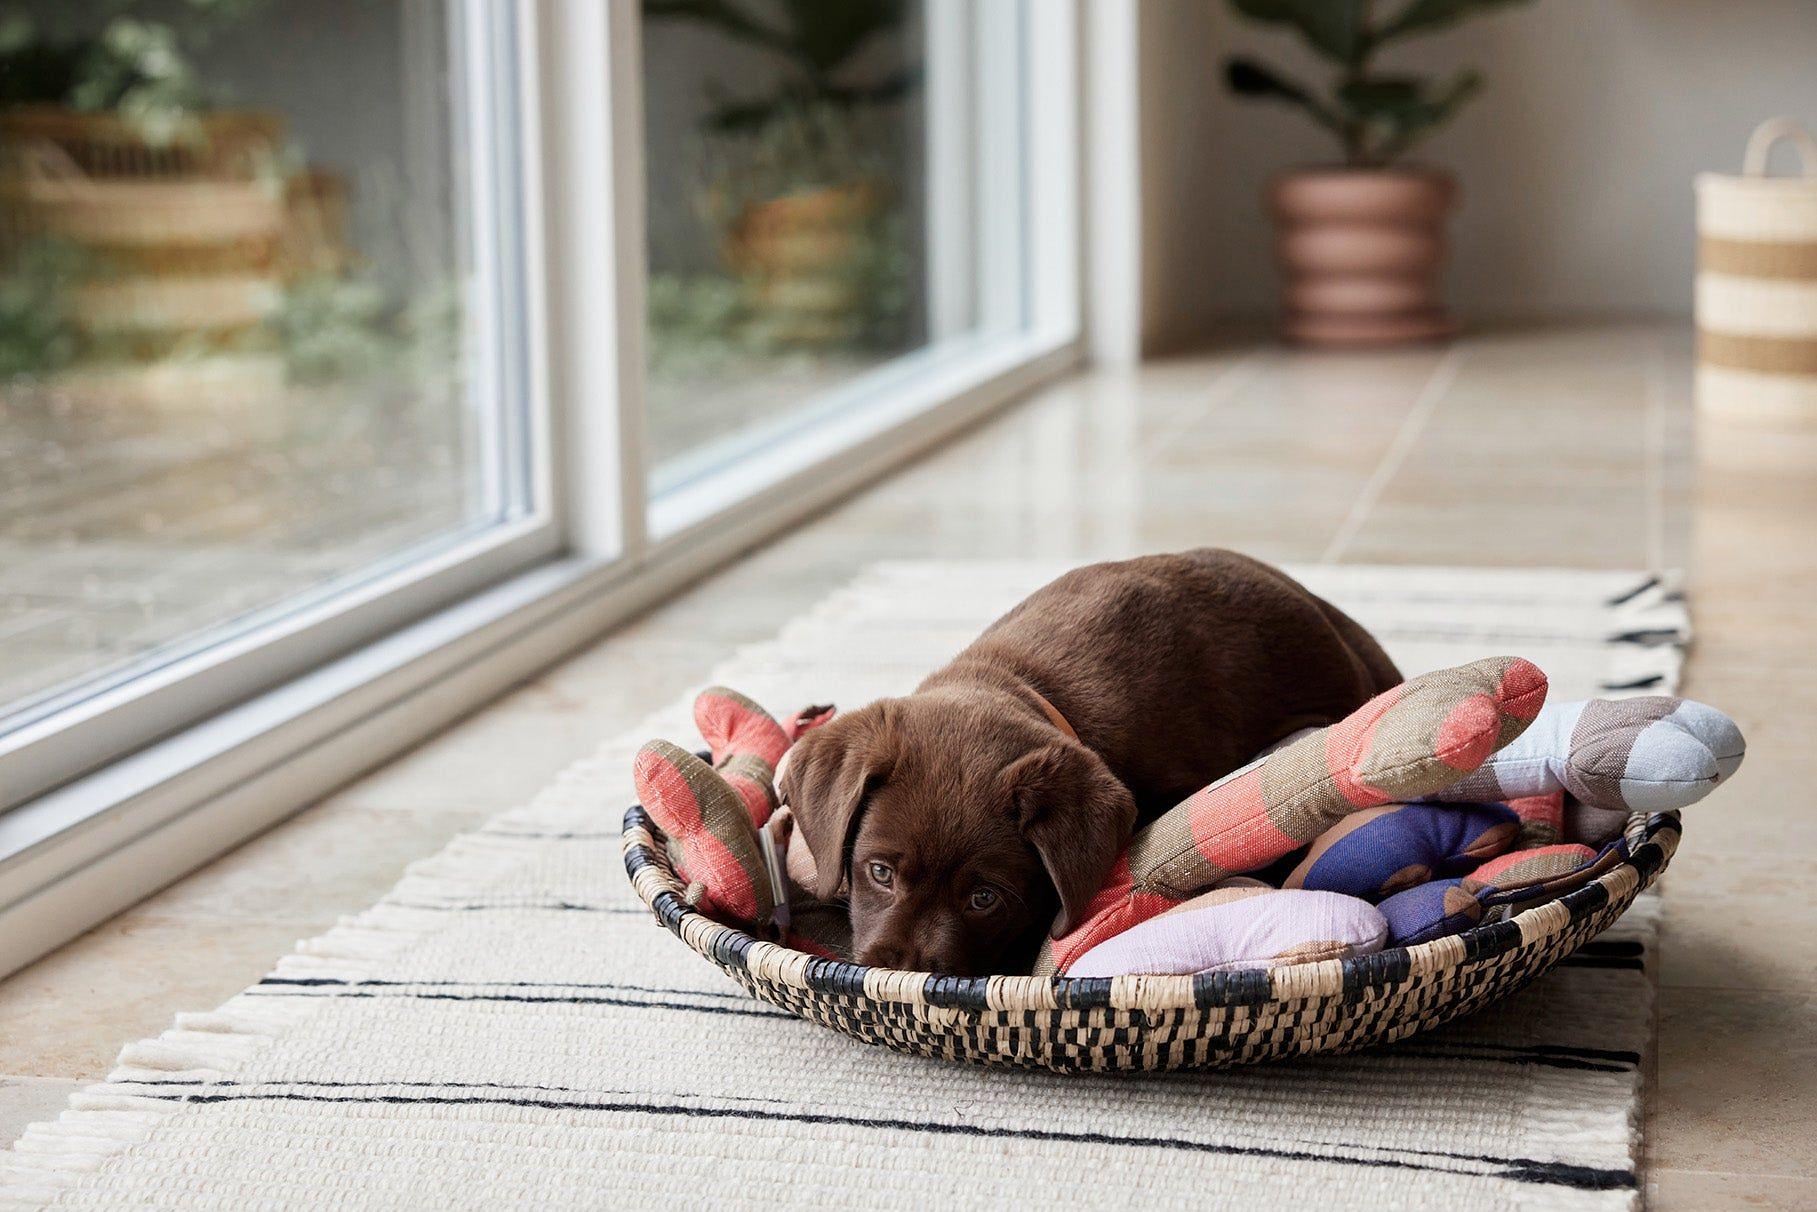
262, 346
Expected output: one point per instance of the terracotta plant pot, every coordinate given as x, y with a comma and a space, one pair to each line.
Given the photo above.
1362, 250
796, 256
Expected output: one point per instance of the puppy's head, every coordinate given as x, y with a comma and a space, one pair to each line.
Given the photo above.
955, 824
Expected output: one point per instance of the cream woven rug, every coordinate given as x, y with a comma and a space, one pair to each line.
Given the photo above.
508, 1028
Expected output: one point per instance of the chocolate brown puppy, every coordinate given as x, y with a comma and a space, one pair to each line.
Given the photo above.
959, 818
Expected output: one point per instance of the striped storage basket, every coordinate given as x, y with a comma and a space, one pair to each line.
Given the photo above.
1757, 283
1132, 1023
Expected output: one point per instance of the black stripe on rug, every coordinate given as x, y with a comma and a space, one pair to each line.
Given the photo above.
1620, 963
1516, 1169
554, 906
1557, 1056
1622, 599
1541, 1059
751, 1011
1568, 1050
331, 982
206, 1083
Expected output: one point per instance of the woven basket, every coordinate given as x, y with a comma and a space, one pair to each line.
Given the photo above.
1135, 1023
1757, 283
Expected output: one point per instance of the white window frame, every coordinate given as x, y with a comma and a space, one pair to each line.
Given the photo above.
116, 812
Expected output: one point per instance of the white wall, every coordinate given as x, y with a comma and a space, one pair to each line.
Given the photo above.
1576, 161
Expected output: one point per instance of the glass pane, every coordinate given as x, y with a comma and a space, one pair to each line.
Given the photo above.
240, 368
834, 187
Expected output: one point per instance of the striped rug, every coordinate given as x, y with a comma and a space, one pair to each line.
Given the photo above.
508, 1028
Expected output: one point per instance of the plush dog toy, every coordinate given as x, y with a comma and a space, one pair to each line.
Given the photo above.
1347, 795
711, 815
1405, 743
1375, 807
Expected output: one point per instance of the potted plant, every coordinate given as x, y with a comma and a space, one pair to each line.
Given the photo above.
798, 175
1362, 243
112, 146
161, 246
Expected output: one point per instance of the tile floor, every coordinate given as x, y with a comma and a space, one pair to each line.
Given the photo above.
1572, 447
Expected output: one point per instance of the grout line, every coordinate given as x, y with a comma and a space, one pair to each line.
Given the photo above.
1424, 405
1654, 441
1794, 1175
1230, 380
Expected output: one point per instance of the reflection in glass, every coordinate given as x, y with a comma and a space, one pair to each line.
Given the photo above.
797, 186
234, 365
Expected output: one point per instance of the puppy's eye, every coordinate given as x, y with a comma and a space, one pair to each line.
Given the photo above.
881, 874
983, 899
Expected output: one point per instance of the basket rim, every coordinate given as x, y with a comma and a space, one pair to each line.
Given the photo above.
1652, 838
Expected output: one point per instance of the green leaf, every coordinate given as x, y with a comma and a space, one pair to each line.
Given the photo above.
818, 36
828, 34
1398, 111
1381, 94
1334, 28
1248, 78
1430, 16
818, 39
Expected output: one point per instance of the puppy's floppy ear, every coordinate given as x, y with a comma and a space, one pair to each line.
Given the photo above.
1077, 816
831, 770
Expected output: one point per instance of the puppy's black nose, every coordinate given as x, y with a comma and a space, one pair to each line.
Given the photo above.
907, 957
889, 955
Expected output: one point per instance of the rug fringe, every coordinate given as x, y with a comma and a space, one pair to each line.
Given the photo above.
106, 1118
216, 1046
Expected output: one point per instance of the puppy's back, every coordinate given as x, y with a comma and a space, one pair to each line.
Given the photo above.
1178, 668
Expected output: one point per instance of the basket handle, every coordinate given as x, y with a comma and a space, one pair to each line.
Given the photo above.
1760, 146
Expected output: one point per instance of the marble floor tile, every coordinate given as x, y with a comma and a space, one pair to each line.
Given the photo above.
1727, 911
1670, 1190
1736, 1072
316, 866
69, 1014
1533, 535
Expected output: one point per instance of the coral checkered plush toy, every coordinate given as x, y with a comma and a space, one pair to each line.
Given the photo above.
711, 815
